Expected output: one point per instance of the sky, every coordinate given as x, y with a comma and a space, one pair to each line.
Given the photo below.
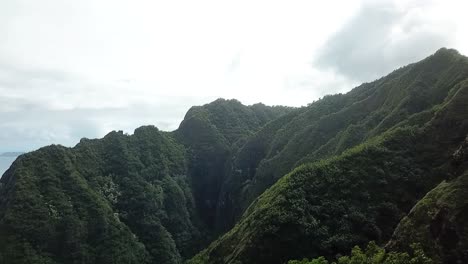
74, 69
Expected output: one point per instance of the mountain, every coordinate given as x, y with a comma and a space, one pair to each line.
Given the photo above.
334, 202
212, 135
100, 202
258, 184
336, 123
438, 221
123, 198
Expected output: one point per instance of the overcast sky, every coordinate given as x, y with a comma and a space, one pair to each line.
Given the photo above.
73, 69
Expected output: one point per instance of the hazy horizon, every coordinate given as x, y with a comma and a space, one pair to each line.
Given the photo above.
68, 71
5, 163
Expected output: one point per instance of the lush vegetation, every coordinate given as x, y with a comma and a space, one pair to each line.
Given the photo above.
336, 123
259, 184
211, 134
374, 255
438, 222
123, 199
326, 207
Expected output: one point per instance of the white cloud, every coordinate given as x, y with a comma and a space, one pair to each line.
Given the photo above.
71, 69
384, 35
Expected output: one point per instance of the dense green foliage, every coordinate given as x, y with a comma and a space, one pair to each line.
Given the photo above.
285, 183
212, 133
339, 122
374, 255
439, 222
122, 199
326, 207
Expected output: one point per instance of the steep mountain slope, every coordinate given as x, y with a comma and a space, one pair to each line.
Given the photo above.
327, 207
122, 199
336, 123
299, 182
439, 220
211, 134
104, 201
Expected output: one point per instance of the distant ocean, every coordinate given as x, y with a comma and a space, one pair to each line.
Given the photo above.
5, 163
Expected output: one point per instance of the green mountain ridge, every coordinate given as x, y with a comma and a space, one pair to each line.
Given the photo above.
327, 207
122, 198
336, 123
256, 184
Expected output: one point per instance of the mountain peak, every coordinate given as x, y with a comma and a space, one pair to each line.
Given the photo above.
447, 52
